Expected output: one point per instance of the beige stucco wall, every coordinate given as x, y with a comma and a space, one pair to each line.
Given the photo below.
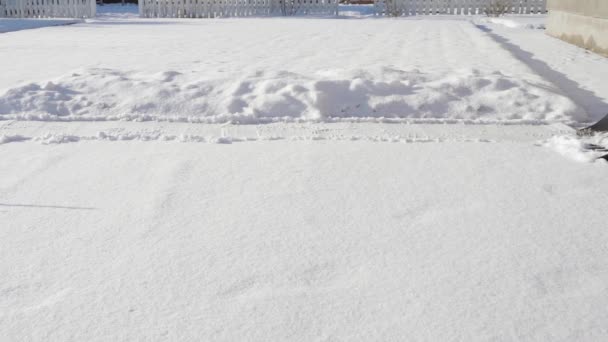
581, 22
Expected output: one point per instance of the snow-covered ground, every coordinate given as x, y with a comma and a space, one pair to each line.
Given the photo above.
519, 21
10, 24
301, 179
574, 71
300, 241
258, 70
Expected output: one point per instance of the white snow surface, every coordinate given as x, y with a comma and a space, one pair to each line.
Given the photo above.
13, 24
108, 94
518, 21
272, 179
574, 71
258, 70
303, 240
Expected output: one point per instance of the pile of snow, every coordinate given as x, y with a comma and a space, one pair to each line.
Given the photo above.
257, 70
565, 65
356, 10
434, 235
270, 96
582, 149
6, 138
532, 22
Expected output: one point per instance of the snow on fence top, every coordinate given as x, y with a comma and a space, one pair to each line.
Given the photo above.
462, 7
234, 8
47, 8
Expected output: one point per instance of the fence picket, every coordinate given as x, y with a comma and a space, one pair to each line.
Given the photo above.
458, 7
47, 8
239, 8
242, 8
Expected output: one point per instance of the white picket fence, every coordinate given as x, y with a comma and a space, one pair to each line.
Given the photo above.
462, 7
47, 8
234, 8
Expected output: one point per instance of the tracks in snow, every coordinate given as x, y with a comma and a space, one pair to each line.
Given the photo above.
67, 132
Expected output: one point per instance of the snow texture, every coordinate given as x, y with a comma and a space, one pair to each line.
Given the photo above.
426, 72
575, 148
5, 139
11, 24
99, 94
301, 241
532, 22
135, 205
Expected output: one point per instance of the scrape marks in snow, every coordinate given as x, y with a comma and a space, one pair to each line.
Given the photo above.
51, 139
316, 277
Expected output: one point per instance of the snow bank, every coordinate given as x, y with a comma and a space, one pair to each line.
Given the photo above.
356, 11
258, 70
532, 22
271, 96
579, 74
5, 139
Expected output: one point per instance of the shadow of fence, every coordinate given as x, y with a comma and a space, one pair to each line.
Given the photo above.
594, 106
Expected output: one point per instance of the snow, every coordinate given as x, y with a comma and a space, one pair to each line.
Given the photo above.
247, 75
98, 94
60, 132
10, 25
5, 139
576, 72
574, 148
301, 179
356, 11
528, 21
301, 240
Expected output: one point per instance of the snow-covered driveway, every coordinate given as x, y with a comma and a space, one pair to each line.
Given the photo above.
397, 180
272, 69
301, 241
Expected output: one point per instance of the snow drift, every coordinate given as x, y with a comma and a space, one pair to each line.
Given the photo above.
271, 96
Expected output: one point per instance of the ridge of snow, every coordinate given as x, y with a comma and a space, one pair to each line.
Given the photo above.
380, 93
5, 139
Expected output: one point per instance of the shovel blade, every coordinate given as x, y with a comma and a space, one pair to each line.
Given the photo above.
600, 126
